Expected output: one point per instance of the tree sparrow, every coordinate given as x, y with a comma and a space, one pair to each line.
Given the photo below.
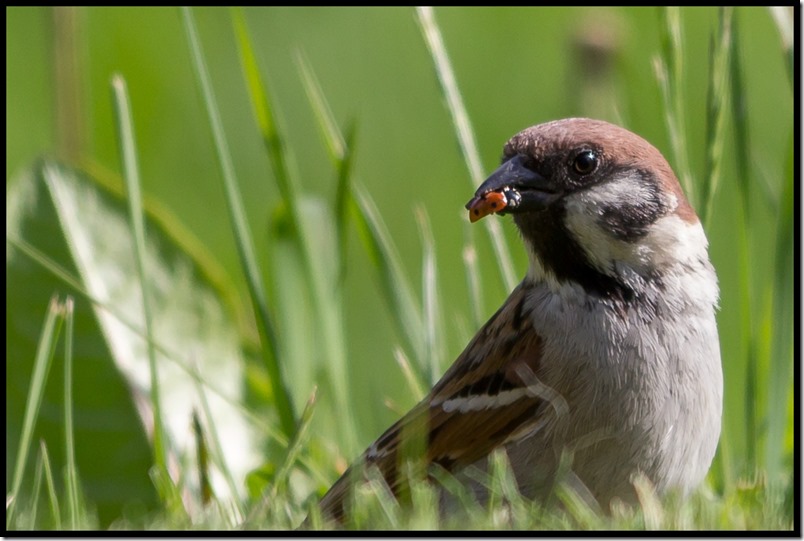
607, 352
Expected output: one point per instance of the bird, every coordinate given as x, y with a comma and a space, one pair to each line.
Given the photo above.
607, 352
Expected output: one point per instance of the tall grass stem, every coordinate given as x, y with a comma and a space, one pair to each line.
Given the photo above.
71, 467
322, 281
242, 234
131, 174
464, 132
670, 74
717, 106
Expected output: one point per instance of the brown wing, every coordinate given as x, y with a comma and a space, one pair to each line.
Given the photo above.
461, 417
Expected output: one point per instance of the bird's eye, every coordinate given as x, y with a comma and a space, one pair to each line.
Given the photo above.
585, 162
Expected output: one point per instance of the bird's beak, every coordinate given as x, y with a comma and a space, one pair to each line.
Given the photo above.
522, 190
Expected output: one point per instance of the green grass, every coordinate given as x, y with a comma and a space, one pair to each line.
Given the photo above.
44, 354
133, 195
244, 241
332, 315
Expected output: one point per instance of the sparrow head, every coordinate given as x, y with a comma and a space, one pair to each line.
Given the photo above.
597, 206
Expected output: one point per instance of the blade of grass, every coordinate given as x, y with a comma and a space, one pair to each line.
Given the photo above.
264, 112
283, 473
343, 196
722, 67
53, 499
244, 241
202, 462
449, 86
378, 496
717, 98
583, 512
71, 468
322, 282
739, 111
473, 277
217, 449
396, 290
784, 315
415, 385
170, 496
670, 75
502, 477
457, 490
337, 147
37, 490
649, 503
44, 356
125, 136
783, 312
424, 499
340, 151
745, 171
748, 346
432, 318
464, 132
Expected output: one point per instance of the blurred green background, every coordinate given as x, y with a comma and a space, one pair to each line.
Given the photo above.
515, 67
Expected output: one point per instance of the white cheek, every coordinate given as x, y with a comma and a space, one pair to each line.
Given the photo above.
670, 240
601, 248
583, 219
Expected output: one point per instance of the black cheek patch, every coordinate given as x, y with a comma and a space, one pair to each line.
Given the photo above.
630, 221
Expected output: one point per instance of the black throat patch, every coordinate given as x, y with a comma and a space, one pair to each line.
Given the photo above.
561, 255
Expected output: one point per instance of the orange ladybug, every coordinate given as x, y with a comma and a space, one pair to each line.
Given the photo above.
486, 204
